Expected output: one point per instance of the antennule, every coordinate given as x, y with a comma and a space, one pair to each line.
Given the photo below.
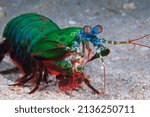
133, 41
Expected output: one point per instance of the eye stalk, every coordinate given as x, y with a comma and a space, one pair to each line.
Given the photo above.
87, 29
97, 29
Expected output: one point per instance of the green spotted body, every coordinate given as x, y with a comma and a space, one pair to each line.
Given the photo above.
39, 35
29, 26
54, 44
27, 29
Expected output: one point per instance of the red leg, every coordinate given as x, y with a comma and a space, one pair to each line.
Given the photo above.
91, 87
34, 70
104, 77
89, 52
87, 82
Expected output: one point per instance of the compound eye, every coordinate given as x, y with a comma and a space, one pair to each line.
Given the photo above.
97, 29
87, 29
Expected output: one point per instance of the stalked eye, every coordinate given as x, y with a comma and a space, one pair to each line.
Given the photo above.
97, 29
105, 52
87, 29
